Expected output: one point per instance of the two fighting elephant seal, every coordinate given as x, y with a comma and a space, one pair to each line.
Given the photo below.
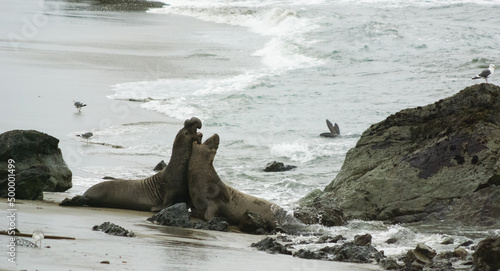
211, 197
159, 191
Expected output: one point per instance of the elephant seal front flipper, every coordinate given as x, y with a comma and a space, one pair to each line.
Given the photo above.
334, 130
167, 187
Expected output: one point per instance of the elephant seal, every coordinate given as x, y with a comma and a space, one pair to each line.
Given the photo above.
167, 187
212, 198
334, 130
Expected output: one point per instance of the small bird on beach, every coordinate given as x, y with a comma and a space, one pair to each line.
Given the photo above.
38, 237
79, 106
87, 135
334, 130
486, 73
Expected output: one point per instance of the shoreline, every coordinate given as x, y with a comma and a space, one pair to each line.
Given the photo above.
57, 52
155, 247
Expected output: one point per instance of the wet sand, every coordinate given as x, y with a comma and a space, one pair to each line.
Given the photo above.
155, 247
54, 52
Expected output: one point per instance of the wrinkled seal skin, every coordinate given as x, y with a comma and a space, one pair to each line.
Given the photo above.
167, 187
212, 198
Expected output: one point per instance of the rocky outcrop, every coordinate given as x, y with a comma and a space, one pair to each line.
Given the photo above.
440, 161
33, 155
312, 210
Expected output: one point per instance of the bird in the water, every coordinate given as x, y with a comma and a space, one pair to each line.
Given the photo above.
38, 237
79, 106
486, 73
334, 130
87, 135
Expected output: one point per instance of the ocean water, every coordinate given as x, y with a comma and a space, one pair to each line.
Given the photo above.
352, 62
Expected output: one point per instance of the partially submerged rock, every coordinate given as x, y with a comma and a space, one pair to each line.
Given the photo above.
278, 167
113, 229
270, 245
437, 162
39, 155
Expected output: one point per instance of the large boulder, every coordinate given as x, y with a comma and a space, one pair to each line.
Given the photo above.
440, 161
487, 255
34, 158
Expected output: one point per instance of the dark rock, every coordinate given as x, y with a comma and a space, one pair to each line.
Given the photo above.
29, 183
448, 241
350, 252
113, 229
363, 240
487, 255
160, 166
314, 211
392, 240
270, 245
437, 162
278, 167
330, 239
123, 6
460, 253
425, 251
422, 255
32, 149
307, 254
389, 264
176, 215
253, 223
216, 224
466, 243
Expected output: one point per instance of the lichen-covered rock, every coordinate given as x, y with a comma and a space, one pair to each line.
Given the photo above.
314, 211
440, 162
28, 149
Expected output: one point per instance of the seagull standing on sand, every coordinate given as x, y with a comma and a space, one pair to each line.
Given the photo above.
79, 106
38, 237
486, 73
87, 135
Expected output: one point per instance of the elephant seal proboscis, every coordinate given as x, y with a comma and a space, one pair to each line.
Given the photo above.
167, 187
213, 198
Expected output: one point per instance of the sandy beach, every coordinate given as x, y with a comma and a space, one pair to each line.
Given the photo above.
155, 247
55, 52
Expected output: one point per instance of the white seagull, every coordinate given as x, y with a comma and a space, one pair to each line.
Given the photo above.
87, 135
486, 73
79, 106
38, 237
